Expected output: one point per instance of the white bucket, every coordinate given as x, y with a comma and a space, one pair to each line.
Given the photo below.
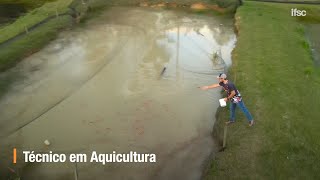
222, 102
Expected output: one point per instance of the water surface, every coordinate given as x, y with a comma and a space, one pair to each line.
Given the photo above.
99, 88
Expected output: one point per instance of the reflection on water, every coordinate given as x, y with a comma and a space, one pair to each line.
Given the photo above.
100, 88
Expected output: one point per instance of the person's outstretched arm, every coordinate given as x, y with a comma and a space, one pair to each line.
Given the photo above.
210, 87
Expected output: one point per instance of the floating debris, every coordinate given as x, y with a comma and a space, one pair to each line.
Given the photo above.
164, 69
47, 142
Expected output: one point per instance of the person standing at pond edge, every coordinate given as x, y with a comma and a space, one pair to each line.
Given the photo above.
234, 96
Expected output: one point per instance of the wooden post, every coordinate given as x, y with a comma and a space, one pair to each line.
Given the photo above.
225, 136
76, 172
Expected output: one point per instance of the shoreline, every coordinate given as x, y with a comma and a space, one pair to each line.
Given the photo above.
282, 140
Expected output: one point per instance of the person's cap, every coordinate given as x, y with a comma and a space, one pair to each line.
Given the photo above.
222, 75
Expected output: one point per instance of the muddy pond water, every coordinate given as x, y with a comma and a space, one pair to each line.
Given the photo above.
100, 87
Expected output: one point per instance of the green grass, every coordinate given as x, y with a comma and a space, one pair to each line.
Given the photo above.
292, 0
35, 40
11, 53
313, 15
29, 4
32, 18
226, 3
274, 71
